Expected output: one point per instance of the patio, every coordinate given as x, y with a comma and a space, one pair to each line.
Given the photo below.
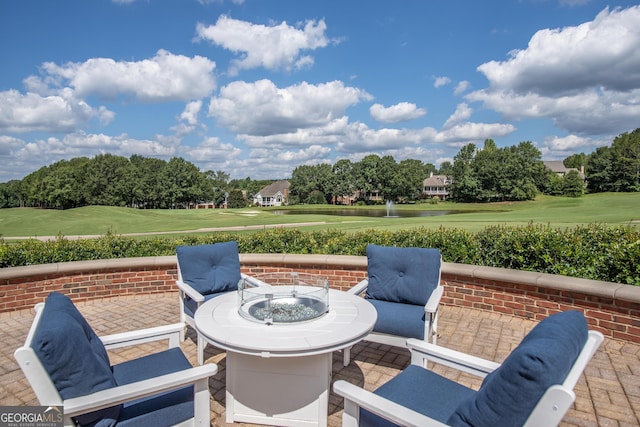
607, 395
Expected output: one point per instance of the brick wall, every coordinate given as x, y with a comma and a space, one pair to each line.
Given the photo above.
612, 308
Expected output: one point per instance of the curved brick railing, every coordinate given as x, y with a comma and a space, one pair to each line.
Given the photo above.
611, 308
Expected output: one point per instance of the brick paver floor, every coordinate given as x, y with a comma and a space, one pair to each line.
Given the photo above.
608, 394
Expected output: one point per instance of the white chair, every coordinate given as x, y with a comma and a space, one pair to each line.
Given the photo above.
532, 387
67, 365
205, 272
403, 284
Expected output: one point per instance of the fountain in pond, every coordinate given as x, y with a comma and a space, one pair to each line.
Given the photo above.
390, 210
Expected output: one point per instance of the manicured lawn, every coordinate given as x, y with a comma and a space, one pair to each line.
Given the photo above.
607, 208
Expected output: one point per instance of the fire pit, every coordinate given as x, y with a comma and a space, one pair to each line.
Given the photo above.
290, 298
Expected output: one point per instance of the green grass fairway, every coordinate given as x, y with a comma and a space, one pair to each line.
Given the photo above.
562, 212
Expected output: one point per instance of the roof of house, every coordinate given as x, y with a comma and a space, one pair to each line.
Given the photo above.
274, 188
556, 166
435, 181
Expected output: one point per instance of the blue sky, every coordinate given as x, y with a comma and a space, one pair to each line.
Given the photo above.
257, 87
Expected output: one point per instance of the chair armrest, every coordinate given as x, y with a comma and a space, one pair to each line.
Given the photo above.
434, 300
191, 293
116, 395
380, 406
359, 288
170, 332
421, 350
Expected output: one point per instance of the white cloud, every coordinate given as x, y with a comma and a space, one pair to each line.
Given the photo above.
53, 113
473, 132
566, 143
556, 147
213, 154
603, 52
590, 112
9, 144
585, 78
165, 77
462, 87
190, 113
359, 137
402, 111
441, 81
463, 112
188, 119
273, 47
261, 108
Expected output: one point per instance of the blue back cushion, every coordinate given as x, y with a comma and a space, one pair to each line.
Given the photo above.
543, 358
210, 268
404, 275
74, 356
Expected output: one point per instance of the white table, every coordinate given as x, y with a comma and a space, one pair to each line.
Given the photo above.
280, 374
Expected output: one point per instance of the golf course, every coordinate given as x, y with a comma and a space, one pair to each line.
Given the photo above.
558, 212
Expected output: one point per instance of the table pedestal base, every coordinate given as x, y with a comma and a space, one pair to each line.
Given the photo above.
283, 391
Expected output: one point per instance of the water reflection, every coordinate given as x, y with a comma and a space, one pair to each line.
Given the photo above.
377, 213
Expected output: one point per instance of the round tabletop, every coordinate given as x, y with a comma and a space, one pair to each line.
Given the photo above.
349, 320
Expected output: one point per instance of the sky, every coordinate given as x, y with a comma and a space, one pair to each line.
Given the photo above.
255, 88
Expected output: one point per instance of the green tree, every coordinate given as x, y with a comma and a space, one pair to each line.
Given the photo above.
10, 194
368, 176
307, 178
572, 184
599, 170
575, 161
615, 168
65, 183
316, 198
409, 178
183, 183
343, 179
148, 186
236, 199
446, 168
625, 158
103, 179
465, 186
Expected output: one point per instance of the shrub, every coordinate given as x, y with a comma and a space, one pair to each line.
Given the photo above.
594, 252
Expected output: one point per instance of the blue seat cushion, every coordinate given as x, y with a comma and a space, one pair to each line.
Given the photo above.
543, 358
421, 390
404, 320
405, 275
73, 356
167, 408
210, 268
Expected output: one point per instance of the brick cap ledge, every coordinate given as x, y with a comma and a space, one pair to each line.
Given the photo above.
597, 288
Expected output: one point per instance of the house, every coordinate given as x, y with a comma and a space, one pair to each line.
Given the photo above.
276, 194
558, 167
436, 186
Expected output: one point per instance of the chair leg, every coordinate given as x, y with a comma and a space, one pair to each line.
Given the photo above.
351, 414
346, 356
201, 401
201, 345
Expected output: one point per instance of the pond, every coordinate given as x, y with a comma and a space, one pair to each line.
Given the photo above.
378, 213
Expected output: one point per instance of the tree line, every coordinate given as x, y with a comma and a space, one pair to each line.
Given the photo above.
138, 182
476, 174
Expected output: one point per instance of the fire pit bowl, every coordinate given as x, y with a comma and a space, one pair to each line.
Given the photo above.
284, 297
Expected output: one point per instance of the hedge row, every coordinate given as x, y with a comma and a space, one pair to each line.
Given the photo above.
594, 251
